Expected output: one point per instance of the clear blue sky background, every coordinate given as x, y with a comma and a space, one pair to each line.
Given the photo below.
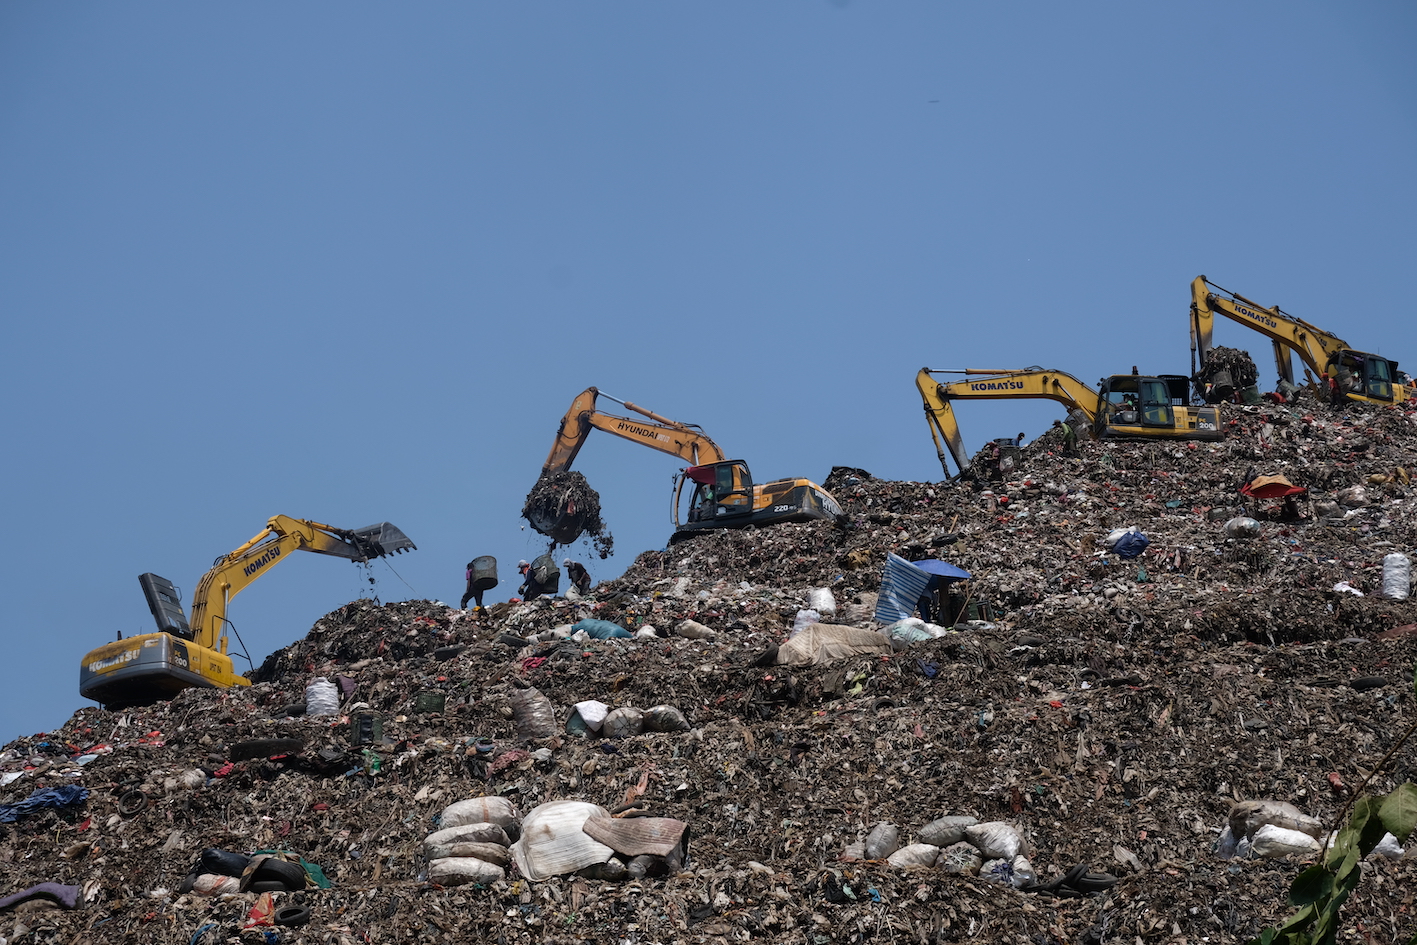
351, 261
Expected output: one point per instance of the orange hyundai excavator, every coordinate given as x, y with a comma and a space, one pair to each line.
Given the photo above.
722, 494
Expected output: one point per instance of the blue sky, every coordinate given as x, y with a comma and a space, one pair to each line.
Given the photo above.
351, 262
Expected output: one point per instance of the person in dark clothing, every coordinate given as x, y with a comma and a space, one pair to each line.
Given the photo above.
473, 593
530, 589
579, 576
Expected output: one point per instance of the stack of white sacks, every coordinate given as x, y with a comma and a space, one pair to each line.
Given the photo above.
1269, 829
474, 844
956, 844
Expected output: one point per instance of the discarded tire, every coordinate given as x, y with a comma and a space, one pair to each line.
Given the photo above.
292, 875
292, 916
131, 803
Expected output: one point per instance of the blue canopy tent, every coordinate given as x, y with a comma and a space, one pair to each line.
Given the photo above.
942, 569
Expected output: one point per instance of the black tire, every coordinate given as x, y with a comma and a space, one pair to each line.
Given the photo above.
263, 748
222, 862
132, 803
292, 915
282, 871
267, 885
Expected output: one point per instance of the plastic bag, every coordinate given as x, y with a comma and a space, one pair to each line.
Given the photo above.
321, 697
623, 723
1023, 872
1271, 841
902, 633
460, 870
960, 858
805, 618
532, 715
1242, 527
945, 831
1397, 576
490, 809
996, 840
693, 630
587, 717
882, 841
1132, 544
1247, 817
601, 629
823, 601
665, 718
915, 855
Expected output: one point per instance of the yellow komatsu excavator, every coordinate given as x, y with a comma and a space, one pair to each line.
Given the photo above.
723, 492
1127, 405
142, 669
1350, 374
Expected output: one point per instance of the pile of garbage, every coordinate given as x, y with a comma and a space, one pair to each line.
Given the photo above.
563, 507
1122, 718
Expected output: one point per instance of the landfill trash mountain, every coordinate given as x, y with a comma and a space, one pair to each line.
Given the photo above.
1112, 713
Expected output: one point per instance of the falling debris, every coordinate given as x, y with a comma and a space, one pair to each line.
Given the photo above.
562, 506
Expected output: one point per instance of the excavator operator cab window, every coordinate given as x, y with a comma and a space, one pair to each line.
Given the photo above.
733, 489
1122, 404
1155, 402
1378, 378
1144, 401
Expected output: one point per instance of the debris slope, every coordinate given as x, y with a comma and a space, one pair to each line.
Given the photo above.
1111, 710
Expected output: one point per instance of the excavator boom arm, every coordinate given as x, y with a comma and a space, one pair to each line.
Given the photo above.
1314, 346
235, 571
684, 440
982, 384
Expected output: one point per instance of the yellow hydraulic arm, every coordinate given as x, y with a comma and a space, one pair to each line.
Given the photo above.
1362, 376
1124, 406
1031, 383
684, 440
234, 572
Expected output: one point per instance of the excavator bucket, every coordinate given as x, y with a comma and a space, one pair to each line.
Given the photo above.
376, 541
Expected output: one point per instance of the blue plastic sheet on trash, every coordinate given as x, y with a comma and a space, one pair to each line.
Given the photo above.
1131, 544
43, 797
601, 629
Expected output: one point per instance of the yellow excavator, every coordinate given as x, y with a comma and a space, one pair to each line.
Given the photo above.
143, 669
1127, 406
1350, 374
723, 492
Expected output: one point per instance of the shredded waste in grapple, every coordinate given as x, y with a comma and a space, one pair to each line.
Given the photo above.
1241, 366
563, 506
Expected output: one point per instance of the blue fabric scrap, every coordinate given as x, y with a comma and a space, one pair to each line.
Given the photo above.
62, 796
